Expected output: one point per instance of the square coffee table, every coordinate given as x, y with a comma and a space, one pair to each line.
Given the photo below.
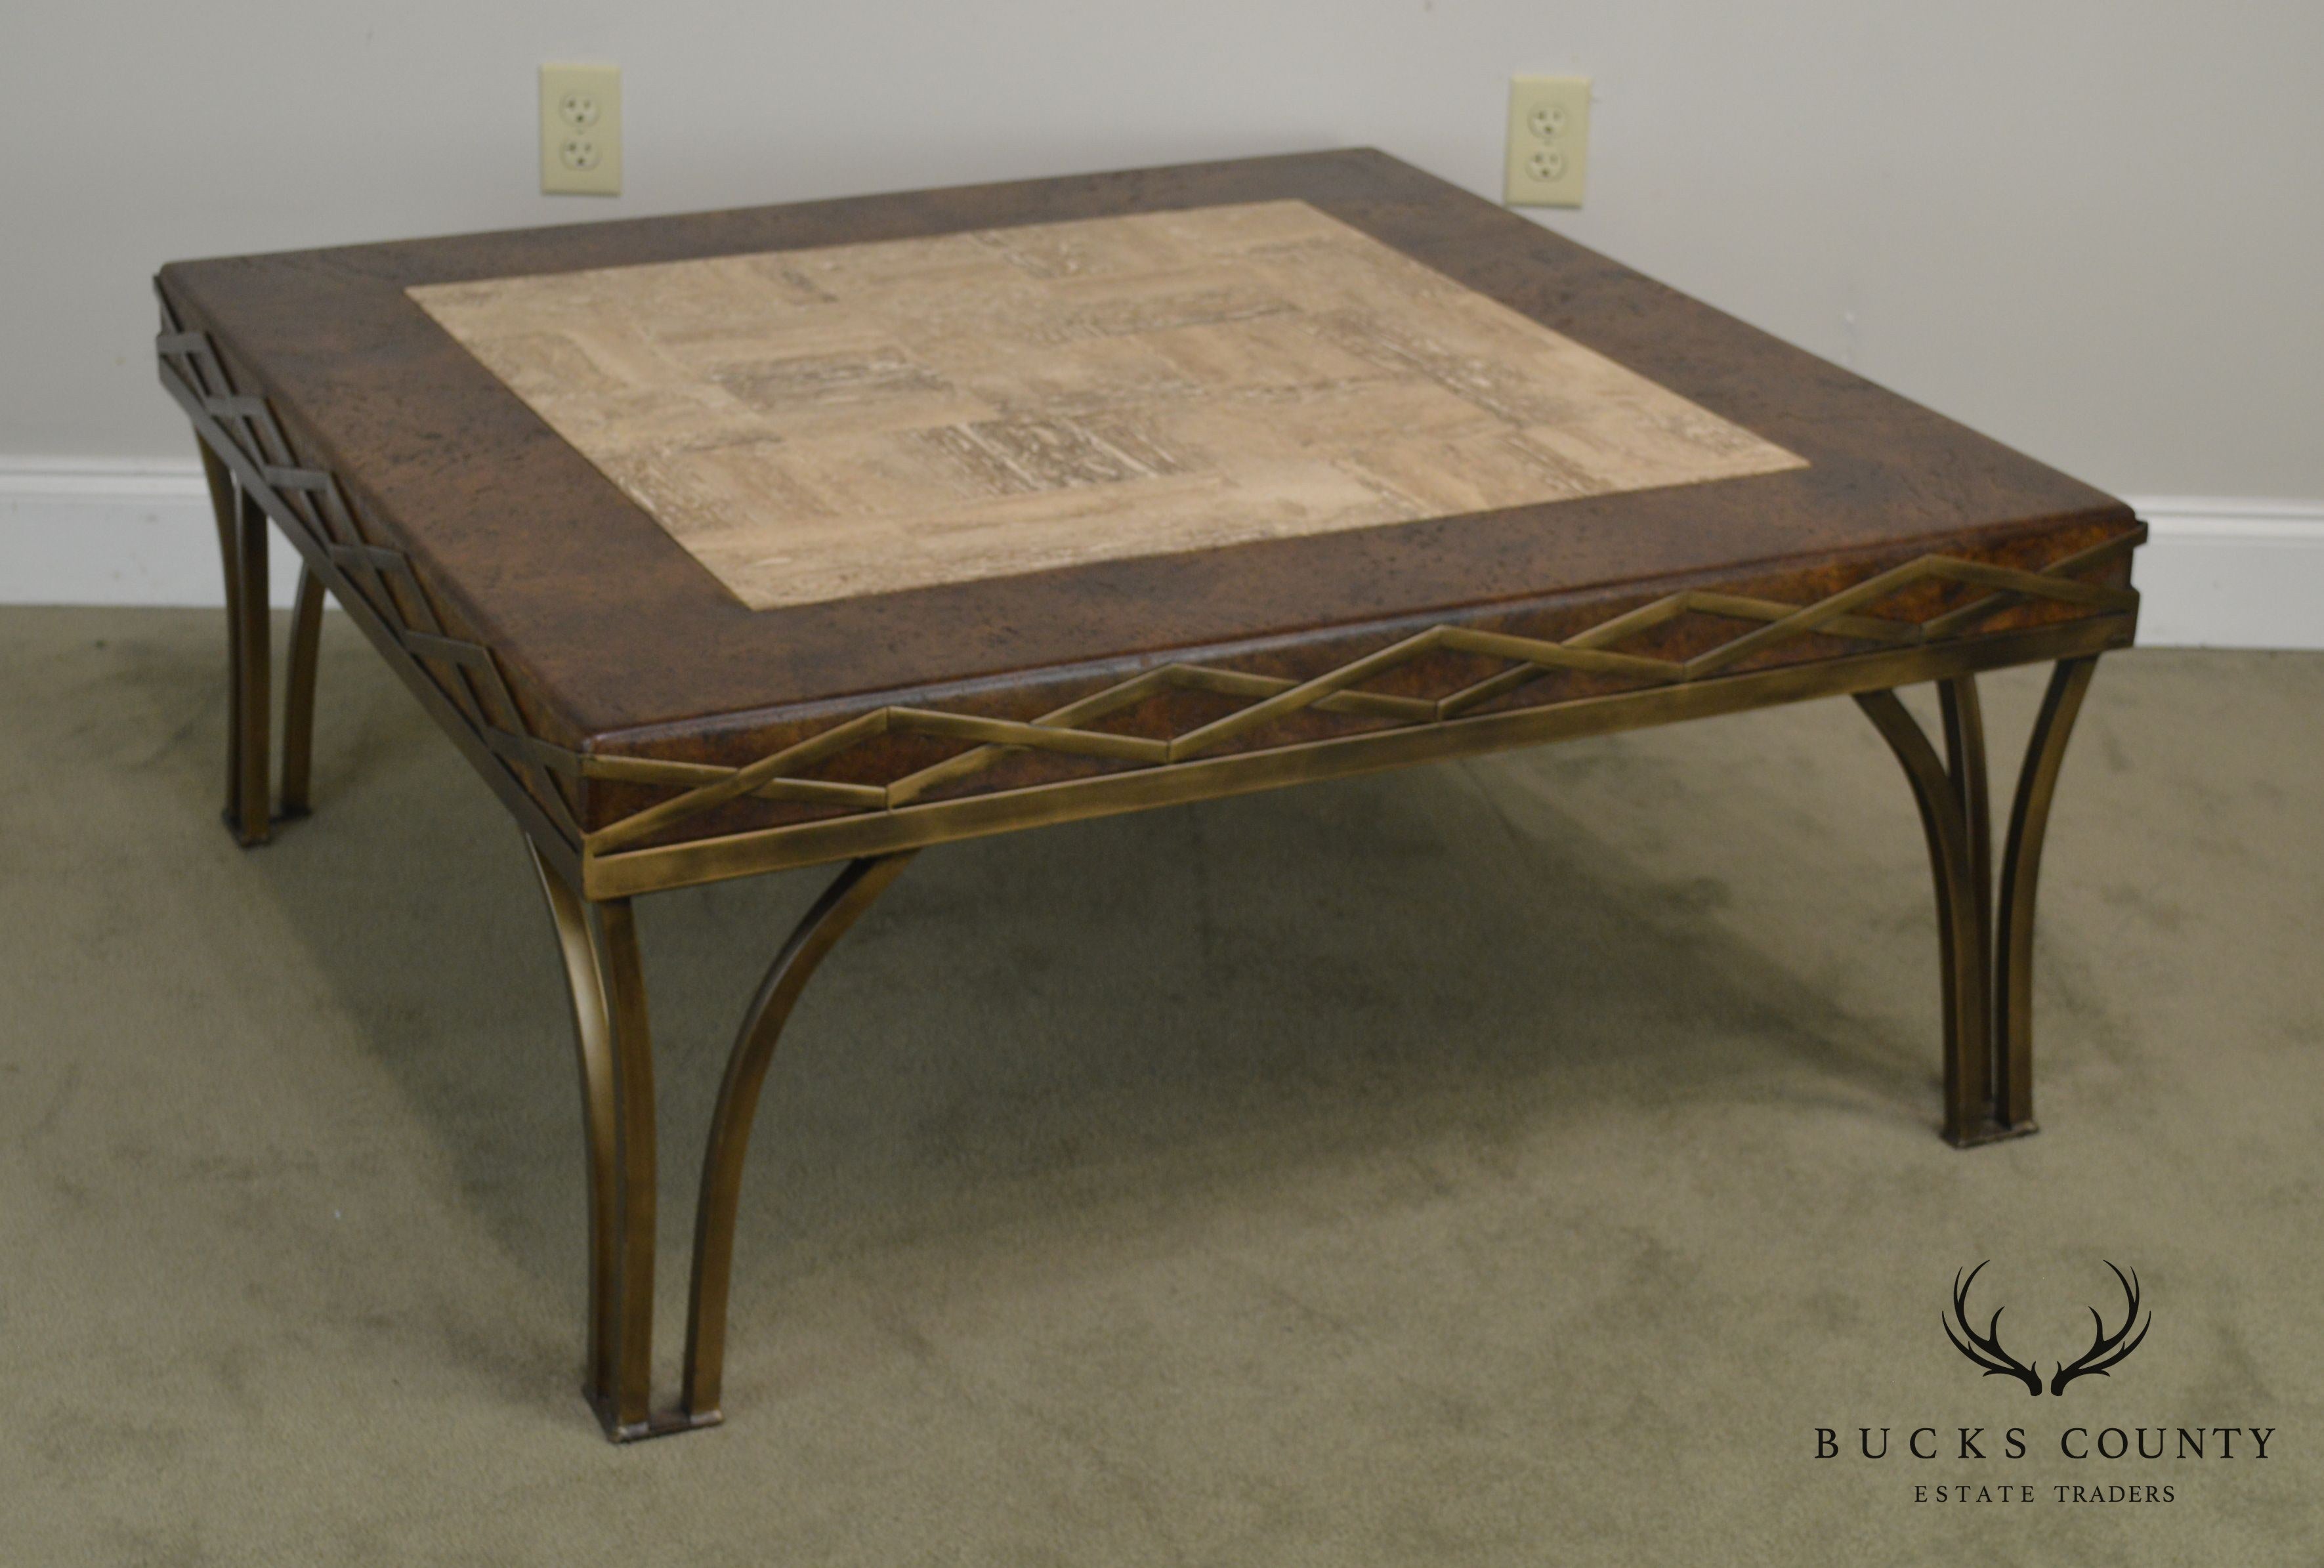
824, 533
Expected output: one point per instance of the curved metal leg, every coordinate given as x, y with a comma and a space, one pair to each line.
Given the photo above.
298, 693
599, 947
242, 549
1987, 955
817, 932
2020, 865
1969, 1056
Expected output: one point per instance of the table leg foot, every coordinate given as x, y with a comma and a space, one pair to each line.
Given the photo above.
1991, 1131
661, 1424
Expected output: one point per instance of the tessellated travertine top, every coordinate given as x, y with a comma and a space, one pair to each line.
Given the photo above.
819, 424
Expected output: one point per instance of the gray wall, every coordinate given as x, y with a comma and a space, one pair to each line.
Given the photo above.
2092, 229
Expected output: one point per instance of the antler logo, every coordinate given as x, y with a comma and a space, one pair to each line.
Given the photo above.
1984, 1349
2107, 1351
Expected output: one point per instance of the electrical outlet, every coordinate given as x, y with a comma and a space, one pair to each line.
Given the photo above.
581, 130
1549, 140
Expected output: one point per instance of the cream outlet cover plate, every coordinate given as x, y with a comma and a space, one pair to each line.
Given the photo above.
581, 130
1549, 140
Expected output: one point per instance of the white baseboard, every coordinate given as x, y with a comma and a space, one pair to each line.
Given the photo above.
2231, 572
2219, 571
117, 531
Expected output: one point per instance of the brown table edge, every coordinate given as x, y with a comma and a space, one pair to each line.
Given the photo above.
1969, 545
625, 873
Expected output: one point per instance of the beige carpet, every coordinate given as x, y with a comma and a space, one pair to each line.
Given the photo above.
1512, 1162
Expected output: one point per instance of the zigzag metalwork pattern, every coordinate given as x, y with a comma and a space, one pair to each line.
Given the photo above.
778, 776
371, 580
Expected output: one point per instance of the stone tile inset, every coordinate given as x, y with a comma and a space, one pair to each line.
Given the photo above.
820, 424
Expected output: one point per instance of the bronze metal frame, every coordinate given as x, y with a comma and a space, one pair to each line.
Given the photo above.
599, 944
1988, 1001
622, 873
588, 877
895, 816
